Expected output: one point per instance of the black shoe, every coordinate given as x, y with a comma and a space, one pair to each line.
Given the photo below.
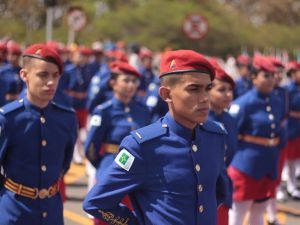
295, 194
276, 222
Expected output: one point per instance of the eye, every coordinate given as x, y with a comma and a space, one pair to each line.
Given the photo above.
208, 87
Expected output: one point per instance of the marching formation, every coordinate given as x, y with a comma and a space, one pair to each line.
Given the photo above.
173, 138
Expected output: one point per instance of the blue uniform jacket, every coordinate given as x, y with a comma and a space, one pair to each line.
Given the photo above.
242, 86
171, 178
110, 123
99, 91
257, 115
226, 120
36, 148
293, 124
11, 81
79, 78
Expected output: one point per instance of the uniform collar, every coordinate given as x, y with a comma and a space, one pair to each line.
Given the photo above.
31, 107
177, 128
261, 95
118, 104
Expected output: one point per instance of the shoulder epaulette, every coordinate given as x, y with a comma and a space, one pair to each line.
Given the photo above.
103, 106
215, 127
10, 107
60, 106
149, 132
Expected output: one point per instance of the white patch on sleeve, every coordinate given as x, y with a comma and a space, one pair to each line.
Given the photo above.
151, 101
96, 121
234, 109
125, 159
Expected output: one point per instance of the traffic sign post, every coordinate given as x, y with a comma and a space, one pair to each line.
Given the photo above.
76, 22
195, 27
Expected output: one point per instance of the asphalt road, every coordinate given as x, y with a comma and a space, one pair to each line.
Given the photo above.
76, 179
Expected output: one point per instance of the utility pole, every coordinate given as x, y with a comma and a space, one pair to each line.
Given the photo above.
50, 4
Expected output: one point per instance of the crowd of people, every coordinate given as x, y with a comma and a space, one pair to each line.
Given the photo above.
167, 138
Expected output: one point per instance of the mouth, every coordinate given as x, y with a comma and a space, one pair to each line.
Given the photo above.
203, 110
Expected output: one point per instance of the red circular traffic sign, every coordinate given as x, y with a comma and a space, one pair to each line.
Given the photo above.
76, 19
195, 26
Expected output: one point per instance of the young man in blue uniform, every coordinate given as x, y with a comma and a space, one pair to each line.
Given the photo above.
36, 144
244, 83
173, 168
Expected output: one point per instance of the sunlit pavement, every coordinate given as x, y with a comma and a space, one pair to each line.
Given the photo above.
76, 180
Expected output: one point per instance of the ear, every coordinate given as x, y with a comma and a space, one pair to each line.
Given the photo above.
165, 93
24, 75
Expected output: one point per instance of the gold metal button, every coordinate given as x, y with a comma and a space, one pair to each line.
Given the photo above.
44, 143
127, 109
201, 208
45, 214
129, 119
195, 148
44, 168
273, 125
200, 187
164, 125
272, 135
197, 167
271, 117
43, 120
267, 99
268, 108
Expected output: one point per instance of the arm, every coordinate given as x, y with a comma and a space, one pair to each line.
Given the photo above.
95, 137
125, 175
3, 145
70, 146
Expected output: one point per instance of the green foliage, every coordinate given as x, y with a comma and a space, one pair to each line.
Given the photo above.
157, 24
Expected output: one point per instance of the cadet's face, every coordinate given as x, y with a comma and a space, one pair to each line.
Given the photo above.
124, 86
221, 95
189, 99
296, 77
264, 82
41, 79
13, 58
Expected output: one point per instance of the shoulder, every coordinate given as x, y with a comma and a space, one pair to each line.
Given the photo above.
213, 127
62, 107
149, 132
103, 107
11, 107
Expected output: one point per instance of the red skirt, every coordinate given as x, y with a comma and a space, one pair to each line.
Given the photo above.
223, 215
293, 149
248, 188
81, 117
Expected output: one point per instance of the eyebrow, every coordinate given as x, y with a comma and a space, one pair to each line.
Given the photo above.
199, 85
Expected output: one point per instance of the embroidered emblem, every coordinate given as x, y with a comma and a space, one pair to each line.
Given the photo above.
124, 159
234, 109
173, 64
96, 120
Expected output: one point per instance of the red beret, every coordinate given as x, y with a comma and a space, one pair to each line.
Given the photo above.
14, 48
3, 47
123, 67
293, 65
243, 60
182, 61
220, 73
84, 50
276, 62
117, 55
263, 63
145, 53
44, 52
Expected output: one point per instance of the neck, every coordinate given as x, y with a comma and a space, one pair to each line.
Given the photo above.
216, 110
37, 102
184, 122
123, 99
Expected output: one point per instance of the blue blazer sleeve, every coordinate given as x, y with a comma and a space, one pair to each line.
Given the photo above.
95, 137
103, 201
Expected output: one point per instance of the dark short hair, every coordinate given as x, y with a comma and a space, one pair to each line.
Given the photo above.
170, 80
